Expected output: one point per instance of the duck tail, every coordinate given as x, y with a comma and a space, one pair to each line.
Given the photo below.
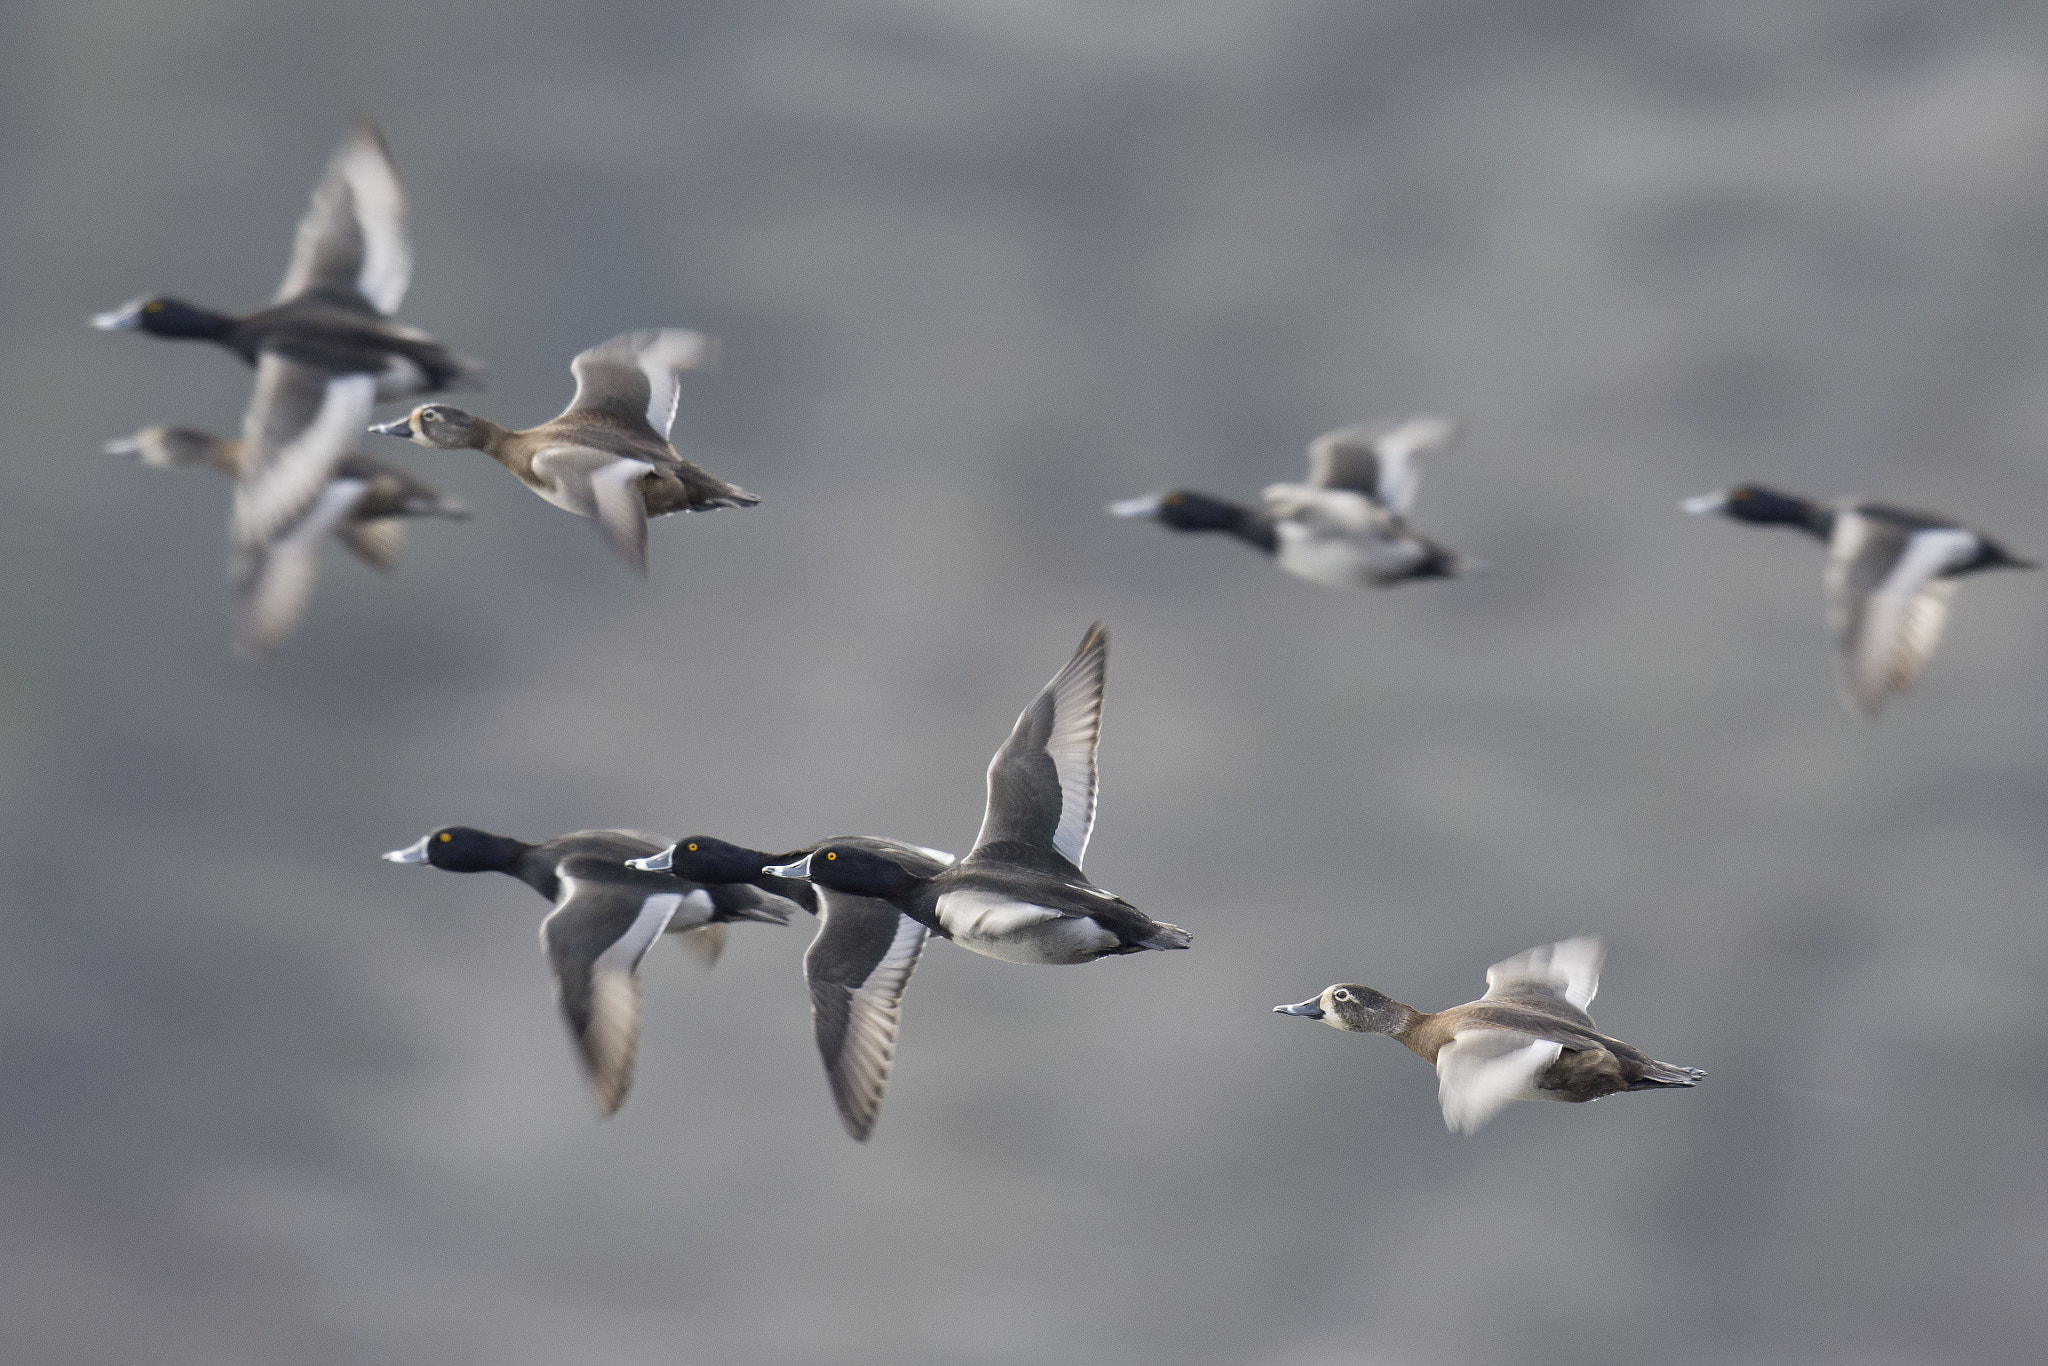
1660, 1076
1165, 936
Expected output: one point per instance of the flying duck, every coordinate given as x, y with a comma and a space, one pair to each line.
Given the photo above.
1020, 894
371, 525
1528, 1038
1891, 573
324, 353
1348, 525
857, 967
605, 919
608, 455
349, 270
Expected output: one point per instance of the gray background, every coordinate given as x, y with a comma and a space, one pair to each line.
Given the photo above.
979, 268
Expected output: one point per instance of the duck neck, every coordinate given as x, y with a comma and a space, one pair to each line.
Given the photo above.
1405, 1026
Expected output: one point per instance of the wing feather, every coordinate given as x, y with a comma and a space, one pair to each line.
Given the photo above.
1042, 782
1482, 1071
353, 237
595, 939
637, 376
858, 967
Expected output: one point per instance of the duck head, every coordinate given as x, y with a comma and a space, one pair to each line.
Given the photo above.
1352, 1008
853, 871
700, 858
168, 448
438, 426
1753, 503
460, 849
162, 317
1183, 510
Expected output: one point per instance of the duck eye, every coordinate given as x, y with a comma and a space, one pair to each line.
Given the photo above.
446, 837
1173, 500
1341, 996
153, 306
1738, 495
830, 857
693, 848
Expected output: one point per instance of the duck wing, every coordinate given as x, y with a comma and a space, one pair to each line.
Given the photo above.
1041, 783
1562, 978
636, 377
375, 542
595, 938
604, 487
299, 427
1887, 601
857, 967
352, 241
1378, 459
1481, 1071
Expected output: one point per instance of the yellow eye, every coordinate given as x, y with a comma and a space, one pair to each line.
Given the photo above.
830, 857
153, 306
445, 837
693, 848
1173, 500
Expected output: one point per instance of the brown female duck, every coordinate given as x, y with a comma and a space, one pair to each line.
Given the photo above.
607, 456
1528, 1038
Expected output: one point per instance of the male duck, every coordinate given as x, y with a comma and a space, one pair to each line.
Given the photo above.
1891, 573
605, 919
858, 964
1020, 894
608, 455
1528, 1038
1347, 526
367, 514
324, 353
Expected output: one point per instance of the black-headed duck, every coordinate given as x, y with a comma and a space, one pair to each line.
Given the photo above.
605, 919
1528, 1038
858, 965
607, 456
1020, 894
1891, 574
1346, 526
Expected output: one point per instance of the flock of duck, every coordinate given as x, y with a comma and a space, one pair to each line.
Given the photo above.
327, 349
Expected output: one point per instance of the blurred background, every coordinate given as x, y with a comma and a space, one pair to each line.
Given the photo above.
979, 268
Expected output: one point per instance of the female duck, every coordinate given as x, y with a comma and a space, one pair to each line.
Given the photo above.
605, 919
1020, 894
349, 271
857, 967
1347, 526
1891, 574
1528, 1038
608, 455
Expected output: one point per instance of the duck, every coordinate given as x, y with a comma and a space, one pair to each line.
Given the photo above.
1347, 525
1528, 1038
606, 917
371, 523
1019, 895
325, 351
1891, 574
607, 456
857, 967
350, 266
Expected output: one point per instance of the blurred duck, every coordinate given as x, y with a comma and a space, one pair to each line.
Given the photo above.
1020, 894
1347, 526
1891, 573
605, 919
857, 967
367, 515
607, 456
325, 351
1528, 1038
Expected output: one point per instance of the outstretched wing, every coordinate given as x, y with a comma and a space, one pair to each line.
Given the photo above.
857, 967
1378, 459
1886, 601
605, 488
637, 376
274, 579
1565, 974
352, 239
1041, 783
1482, 1071
595, 939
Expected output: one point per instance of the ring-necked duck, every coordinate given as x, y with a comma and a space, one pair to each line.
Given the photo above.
1891, 574
1020, 894
607, 456
605, 919
858, 964
1528, 1038
1348, 525
369, 509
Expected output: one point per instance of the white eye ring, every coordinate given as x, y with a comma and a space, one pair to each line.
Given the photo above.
1340, 996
